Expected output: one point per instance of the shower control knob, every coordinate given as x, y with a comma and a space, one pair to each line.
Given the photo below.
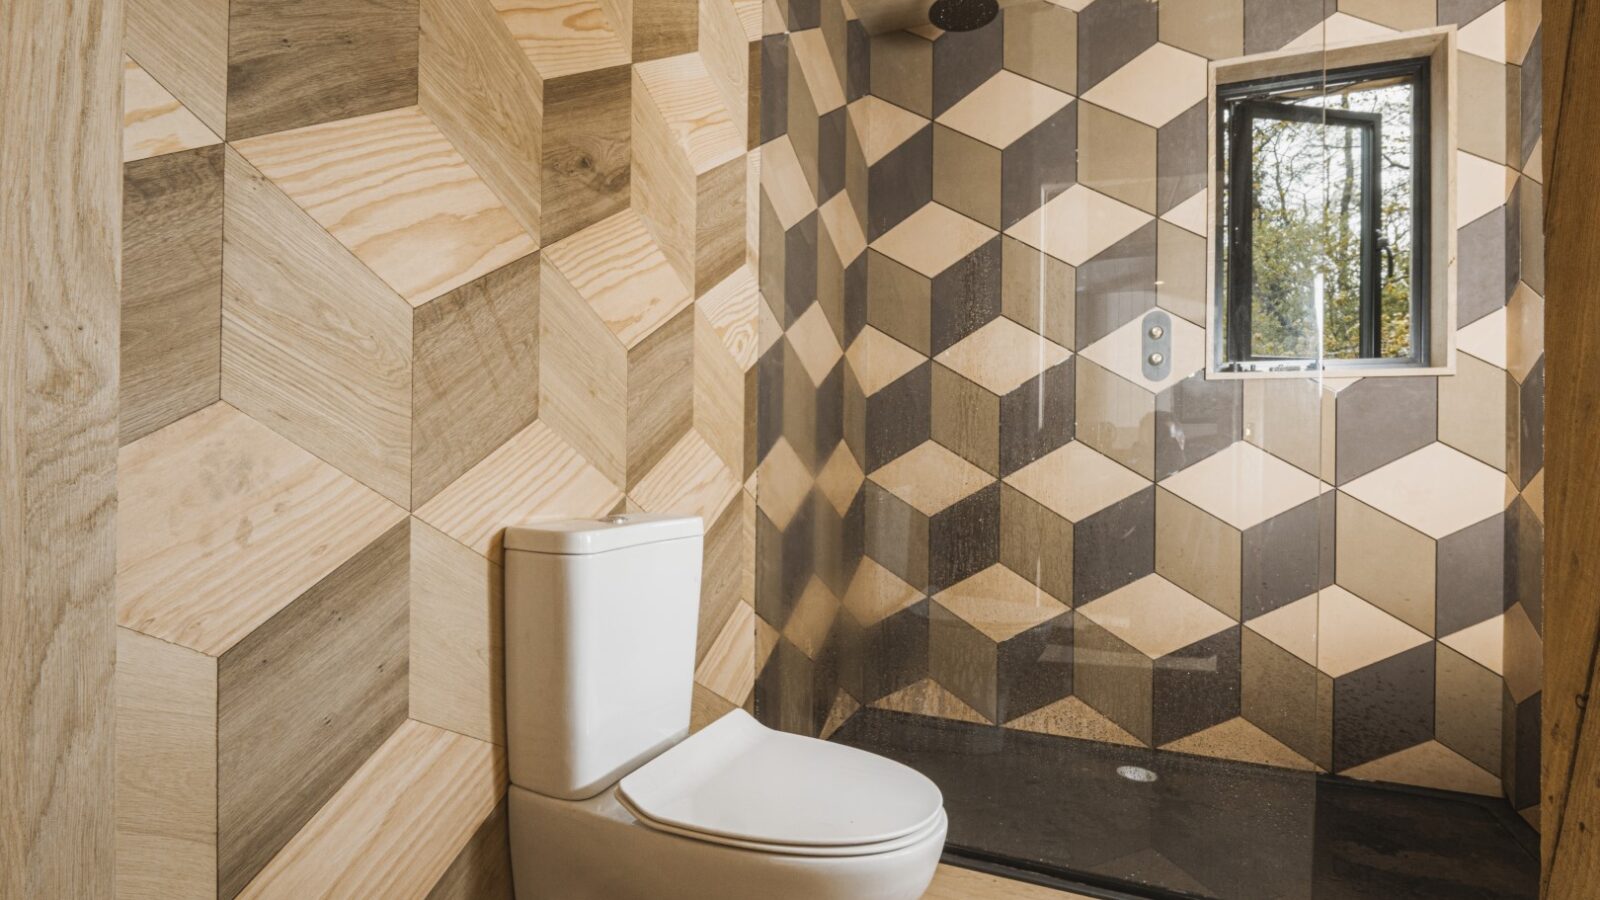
1157, 332
1157, 359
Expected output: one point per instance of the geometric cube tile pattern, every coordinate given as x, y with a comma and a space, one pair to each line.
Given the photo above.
396, 275
1323, 574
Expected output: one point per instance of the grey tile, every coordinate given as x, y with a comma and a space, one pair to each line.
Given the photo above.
965, 297
1269, 24
900, 183
1529, 236
1111, 675
896, 536
1523, 739
784, 690
898, 300
1034, 669
1195, 418
1524, 561
1481, 266
1283, 557
1181, 158
962, 660
1383, 708
1531, 101
899, 417
1471, 585
804, 14
858, 61
1039, 165
1530, 425
1379, 420
963, 60
800, 266
964, 538
1196, 687
830, 412
1461, 12
769, 272
855, 300
1038, 417
1116, 286
1110, 34
1114, 547
1036, 543
830, 154
1286, 697
883, 658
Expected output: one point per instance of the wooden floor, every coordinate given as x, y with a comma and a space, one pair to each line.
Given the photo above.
952, 883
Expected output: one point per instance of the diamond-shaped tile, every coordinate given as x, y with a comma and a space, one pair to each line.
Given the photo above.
933, 239
883, 126
1243, 485
1002, 355
1122, 351
1076, 482
840, 479
690, 479
784, 183
1156, 616
1353, 634
1292, 626
812, 618
1155, 87
999, 603
782, 483
875, 593
1071, 717
814, 343
879, 360
1004, 108
1483, 643
1437, 490
931, 478
1078, 224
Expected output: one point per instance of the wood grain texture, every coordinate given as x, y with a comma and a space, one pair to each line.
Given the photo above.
730, 44
482, 870
663, 28
1571, 765
153, 121
166, 798
171, 288
660, 394
587, 149
457, 637
60, 234
583, 378
335, 377
479, 87
217, 495
475, 373
563, 37
304, 700
535, 474
183, 44
292, 64
395, 827
951, 883
392, 189
719, 400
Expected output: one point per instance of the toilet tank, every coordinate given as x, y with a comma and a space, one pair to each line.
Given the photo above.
600, 618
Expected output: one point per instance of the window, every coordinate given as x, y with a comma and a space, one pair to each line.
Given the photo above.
1325, 257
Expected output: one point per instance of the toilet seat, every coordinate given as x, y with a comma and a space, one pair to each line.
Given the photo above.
740, 784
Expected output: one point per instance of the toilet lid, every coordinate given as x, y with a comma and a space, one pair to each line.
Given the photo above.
739, 780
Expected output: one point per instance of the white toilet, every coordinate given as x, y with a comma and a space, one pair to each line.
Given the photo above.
609, 799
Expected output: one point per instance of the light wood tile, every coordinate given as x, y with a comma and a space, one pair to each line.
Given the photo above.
1004, 108
457, 663
1071, 717
999, 603
534, 475
1352, 633
732, 307
728, 669
879, 360
619, 270
563, 37
1077, 224
730, 43
1156, 616
1155, 87
482, 870
183, 44
153, 121
930, 478
927, 698
951, 883
392, 189
1002, 355
720, 404
1429, 764
932, 239
1076, 482
1436, 490
1237, 739
217, 494
1243, 485
689, 480
396, 825
883, 126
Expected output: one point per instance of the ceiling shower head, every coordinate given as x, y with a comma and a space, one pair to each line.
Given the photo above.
963, 15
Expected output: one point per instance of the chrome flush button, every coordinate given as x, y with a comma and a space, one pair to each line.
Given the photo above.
1156, 363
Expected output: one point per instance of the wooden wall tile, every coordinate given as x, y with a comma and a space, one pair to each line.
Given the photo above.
730, 44
304, 700
183, 44
166, 770
395, 827
662, 28
171, 288
218, 494
297, 64
457, 637
719, 401
333, 377
482, 870
155, 122
475, 373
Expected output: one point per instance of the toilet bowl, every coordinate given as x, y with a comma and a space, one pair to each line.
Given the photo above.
611, 799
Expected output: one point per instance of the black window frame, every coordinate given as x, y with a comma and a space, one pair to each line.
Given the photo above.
1239, 105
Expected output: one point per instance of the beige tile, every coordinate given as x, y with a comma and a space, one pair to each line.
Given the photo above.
1485, 35
1122, 351
1243, 485
1214, 30
1076, 482
1181, 271
1198, 552
812, 618
999, 603
1116, 417
927, 698
1286, 696
1436, 490
1004, 108
883, 126
1071, 717
1190, 215
1534, 494
1117, 156
1155, 87
783, 483
840, 479
784, 182
1041, 42
1002, 355
951, 883
1472, 410
1339, 28
844, 229
1156, 616
1352, 633
902, 70
1036, 543
1430, 764
966, 175
966, 419
1038, 291
879, 360
1487, 337
875, 593
814, 343
153, 121
1283, 416
933, 238
1524, 332
1468, 704
1481, 123
689, 480
1480, 187
1524, 652
1292, 626
1401, 15
1077, 224
930, 478
728, 669
844, 706
811, 52
1385, 562
1239, 740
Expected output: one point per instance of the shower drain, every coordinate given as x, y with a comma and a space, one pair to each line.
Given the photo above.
1136, 773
